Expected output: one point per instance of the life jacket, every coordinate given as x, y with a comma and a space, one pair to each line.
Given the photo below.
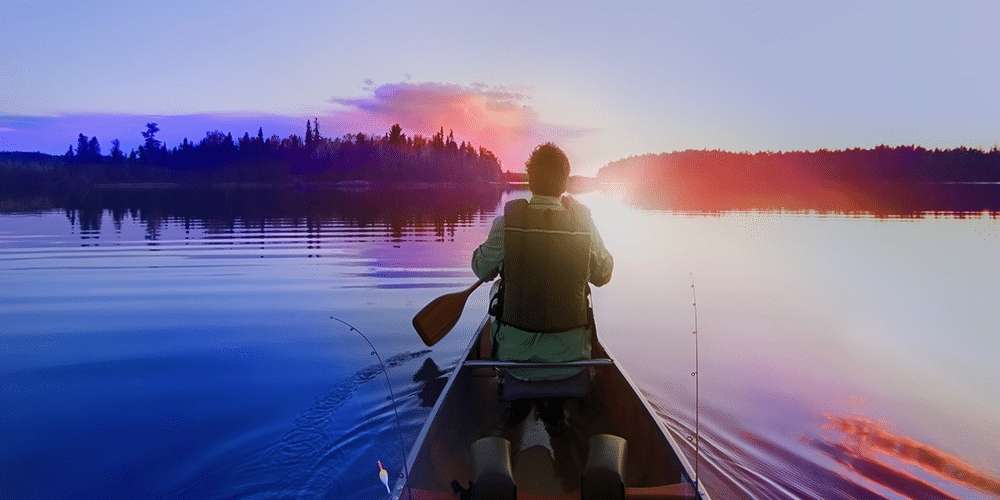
546, 267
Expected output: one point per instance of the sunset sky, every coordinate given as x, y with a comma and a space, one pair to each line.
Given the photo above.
602, 79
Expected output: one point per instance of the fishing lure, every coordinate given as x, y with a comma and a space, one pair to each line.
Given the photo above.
384, 476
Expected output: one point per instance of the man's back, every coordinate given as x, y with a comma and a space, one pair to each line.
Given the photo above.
544, 302
546, 266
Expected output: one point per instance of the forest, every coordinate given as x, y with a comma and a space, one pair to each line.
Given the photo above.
881, 178
218, 158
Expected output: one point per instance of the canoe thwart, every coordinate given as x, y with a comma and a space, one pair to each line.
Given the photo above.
603, 476
530, 364
492, 473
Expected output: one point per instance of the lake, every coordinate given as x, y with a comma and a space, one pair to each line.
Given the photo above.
176, 344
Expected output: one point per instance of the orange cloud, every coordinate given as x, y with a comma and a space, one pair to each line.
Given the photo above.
493, 117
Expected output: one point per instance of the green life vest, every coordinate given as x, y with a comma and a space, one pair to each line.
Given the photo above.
546, 267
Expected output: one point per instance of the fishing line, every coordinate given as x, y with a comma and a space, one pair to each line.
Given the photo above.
697, 399
392, 397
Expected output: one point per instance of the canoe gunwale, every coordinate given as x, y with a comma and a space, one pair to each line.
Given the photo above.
667, 434
411, 458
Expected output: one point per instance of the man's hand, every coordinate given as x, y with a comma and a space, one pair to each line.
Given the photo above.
572, 204
568, 201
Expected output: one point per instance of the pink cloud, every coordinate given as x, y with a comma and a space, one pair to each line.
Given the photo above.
493, 117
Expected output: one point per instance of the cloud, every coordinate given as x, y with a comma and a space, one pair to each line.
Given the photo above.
496, 118
501, 105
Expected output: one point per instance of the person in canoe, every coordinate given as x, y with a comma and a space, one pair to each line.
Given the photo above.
546, 250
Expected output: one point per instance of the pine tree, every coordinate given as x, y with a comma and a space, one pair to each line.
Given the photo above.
117, 157
396, 136
151, 148
438, 140
94, 149
81, 147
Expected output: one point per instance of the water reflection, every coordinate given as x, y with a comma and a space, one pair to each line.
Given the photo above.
221, 211
872, 450
885, 201
431, 380
802, 310
324, 449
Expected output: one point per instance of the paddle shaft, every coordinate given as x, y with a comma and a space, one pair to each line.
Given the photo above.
438, 317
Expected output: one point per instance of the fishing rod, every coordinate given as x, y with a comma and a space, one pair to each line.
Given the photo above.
697, 399
383, 475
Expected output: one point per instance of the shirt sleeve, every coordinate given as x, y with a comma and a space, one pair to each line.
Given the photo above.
601, 262
487, 258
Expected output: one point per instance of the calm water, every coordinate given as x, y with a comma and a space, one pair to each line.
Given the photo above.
178, 345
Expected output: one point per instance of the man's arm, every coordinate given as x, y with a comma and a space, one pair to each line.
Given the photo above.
601, 262
487, 258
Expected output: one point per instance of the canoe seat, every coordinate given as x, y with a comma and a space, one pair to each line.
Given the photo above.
514, 388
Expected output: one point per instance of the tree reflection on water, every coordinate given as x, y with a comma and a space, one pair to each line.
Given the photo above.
221, 210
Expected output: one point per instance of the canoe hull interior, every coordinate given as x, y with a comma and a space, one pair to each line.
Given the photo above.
471, 408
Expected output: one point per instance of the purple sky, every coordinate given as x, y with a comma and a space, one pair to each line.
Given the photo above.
605, 80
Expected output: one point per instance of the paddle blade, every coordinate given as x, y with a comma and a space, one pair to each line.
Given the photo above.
436, 319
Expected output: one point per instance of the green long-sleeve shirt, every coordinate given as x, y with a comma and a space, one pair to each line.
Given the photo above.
514, 344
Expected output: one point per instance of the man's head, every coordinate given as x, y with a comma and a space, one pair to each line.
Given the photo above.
548, 170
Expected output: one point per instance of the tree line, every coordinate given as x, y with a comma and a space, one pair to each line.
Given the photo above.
719, 178
219, 157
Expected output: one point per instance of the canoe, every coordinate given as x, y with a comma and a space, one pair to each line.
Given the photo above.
611, 428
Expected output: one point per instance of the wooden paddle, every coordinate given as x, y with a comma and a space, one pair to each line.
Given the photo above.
436, 319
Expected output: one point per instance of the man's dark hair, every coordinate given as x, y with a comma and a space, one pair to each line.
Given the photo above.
548, 170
